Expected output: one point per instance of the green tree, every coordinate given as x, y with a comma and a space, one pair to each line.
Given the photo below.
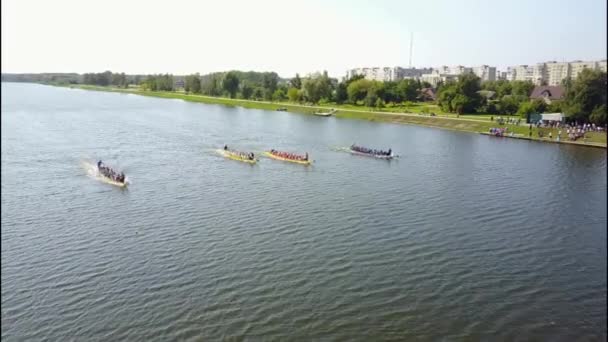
460, 103
317, 87
341, 93
522, 88
296, 82
468, 85
586, 95
192, 83
231, 84
598, 116
391, 93
246, 90
258, 93
531, 107
445, 97
269, 82
293, 94
502, 88
555, 107
509, 104
461, 96
279, 95
407, 90
371, 98
489, 85
357, 90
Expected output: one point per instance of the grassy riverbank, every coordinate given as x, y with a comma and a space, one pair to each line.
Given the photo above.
465, 123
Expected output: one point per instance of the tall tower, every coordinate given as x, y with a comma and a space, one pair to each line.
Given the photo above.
411, 47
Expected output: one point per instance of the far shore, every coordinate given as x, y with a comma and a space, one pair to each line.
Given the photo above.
464, 123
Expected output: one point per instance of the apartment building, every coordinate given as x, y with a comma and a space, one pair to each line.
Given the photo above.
523, 73
577, 66
552, 73
410, 73
556, 72
377, 74
539, 73
388, 73
485, 72
436, 77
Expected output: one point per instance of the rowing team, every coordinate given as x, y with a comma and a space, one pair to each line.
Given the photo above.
288, 155
370, 151
109, 173
242, 155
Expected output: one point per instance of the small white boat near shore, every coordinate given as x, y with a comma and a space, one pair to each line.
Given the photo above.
330, 113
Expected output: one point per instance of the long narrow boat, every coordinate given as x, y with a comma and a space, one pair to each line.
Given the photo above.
373, 155
235, 156
273, 156
330, 113
102, 176
113, 182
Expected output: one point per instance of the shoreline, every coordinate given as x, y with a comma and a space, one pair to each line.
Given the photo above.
456, 124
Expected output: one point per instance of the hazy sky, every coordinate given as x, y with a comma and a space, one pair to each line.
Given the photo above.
180, 36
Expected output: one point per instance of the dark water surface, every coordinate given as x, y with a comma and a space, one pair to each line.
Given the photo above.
464, 237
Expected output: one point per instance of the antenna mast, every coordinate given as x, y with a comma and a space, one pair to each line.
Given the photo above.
411, 46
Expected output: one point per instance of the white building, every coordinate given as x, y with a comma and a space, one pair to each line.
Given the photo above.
388, 74
485, 72
523, 73
435, 77
376, 74
577, 66
539, 73
459, 69
510, 74
601, 65
410, 73
556, 72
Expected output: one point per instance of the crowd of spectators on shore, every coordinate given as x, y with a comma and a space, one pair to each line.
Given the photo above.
573, 131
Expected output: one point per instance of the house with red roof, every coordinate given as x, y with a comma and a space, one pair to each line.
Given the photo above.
548, 93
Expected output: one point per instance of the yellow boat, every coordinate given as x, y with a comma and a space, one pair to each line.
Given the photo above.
303, 162
113, 182
236, 156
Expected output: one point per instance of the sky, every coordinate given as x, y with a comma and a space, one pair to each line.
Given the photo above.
183, 36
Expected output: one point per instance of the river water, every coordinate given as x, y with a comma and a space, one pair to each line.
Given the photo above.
464, 237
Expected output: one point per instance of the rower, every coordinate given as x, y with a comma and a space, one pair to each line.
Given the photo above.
306, 158
225, 147
389, 152
99, 164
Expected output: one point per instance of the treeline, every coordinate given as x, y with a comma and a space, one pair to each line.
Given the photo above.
106, 78
585, 98
358, 90
158, 82
246, 85
59, 78
469, 95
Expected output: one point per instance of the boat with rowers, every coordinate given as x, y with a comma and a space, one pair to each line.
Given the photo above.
364, 151
108, 175
288, 157
246, 157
